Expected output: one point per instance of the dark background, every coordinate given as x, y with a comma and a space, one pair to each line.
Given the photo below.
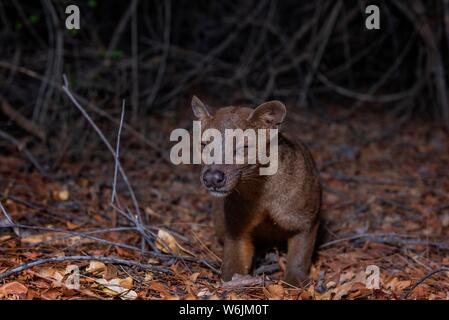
155, 54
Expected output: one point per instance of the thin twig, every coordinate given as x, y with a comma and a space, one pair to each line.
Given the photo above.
117, 154
134, 63
88, 235
427, 276
21, 121
104, 259
21, 147
388, 238
137, 219
66, 89
165, 49
327, 31
102, 113
10, 220
121, 27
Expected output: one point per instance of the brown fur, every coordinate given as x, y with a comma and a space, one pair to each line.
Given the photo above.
265, 210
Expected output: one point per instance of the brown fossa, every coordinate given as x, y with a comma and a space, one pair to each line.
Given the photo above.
250, 209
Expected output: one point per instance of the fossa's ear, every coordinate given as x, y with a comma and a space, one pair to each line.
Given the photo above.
199, 108
269, 114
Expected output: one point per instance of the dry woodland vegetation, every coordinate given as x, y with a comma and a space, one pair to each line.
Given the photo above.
398, 220
85, 178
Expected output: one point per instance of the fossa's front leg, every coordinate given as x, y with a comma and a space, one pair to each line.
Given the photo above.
237, 257
299, 256
218, 217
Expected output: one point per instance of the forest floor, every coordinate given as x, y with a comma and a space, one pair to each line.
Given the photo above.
386, 205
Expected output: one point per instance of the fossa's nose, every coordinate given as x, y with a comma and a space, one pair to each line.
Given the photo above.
214, 179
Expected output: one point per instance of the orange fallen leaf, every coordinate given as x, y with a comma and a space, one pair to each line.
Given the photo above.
127, 283
397, 285
194, 277
15, 288
51, 294
157, 286
167, 243
72, 226
95, 267
61, 194
275, 291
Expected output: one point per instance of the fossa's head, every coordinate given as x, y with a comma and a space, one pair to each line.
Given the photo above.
221, 179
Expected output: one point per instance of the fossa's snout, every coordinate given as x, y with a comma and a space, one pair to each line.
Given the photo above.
214, 179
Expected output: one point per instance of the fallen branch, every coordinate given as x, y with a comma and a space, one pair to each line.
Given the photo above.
324, 35
427, 276
388, 238
21, 147
105, 259
89, 235
69, 94
9, 219
21, 121
102, 113
364, 180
